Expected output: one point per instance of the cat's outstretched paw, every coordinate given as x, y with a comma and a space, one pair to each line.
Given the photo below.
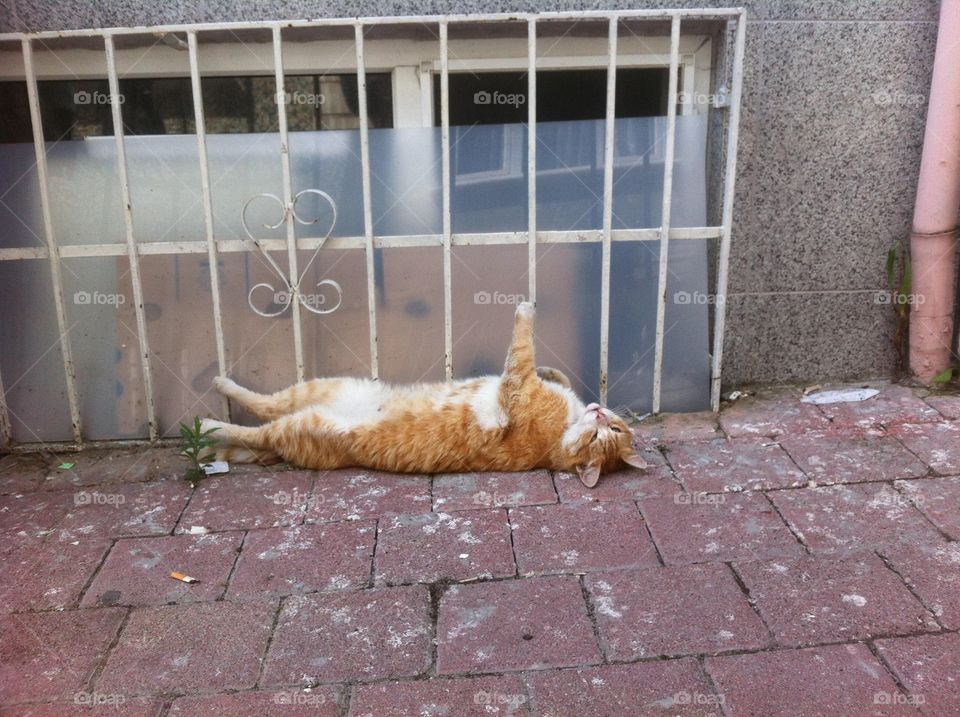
207, 424
223, 384
525, 310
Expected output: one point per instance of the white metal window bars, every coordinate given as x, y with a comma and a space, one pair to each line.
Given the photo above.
735, 19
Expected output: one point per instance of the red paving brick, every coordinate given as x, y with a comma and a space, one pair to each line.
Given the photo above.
114, 467
248, 501
771, 415
744, 464
830, 458
580, 537
204, 646
371, 634
892, 406
21, 473
458, 697
351, 495
108, 705
815, 599
933, 571
929, 667
443, 546
469, 491
512, 625
627, 484
124, 510
840, 680
845, 519
137, 571
679, 428
700, 527
286, 561
33, 514
937, 444
946, 406
316, 702
52, 655
666, 687
938, 499
673, 611
44, 574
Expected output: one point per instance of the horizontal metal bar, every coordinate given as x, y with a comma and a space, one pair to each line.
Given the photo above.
66, 447
645, 14
79, 251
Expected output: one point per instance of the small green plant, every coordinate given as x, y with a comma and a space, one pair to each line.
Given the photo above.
945, 376
900, 284
197, 450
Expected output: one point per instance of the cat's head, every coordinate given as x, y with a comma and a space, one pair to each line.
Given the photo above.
600, 442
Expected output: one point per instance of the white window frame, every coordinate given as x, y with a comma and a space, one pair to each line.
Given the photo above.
356, 56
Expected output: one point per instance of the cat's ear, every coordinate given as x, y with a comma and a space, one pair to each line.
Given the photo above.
635, 459
589, 474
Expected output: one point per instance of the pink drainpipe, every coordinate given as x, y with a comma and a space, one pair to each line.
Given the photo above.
933, 240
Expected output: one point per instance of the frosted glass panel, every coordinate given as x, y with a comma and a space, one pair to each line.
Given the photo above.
183, 356
19, 205
31, 362
106, 352
488, 194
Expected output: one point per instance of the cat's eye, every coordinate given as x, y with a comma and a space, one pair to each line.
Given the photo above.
615, 429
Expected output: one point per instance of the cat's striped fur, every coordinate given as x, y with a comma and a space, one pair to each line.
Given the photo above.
524, 419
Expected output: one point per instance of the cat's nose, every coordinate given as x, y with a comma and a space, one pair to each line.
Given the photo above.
593, 407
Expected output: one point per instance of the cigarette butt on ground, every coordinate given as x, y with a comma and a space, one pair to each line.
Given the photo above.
183, 577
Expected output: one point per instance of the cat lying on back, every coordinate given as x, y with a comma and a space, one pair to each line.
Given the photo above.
524, 419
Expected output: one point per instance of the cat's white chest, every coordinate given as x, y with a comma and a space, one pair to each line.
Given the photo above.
485, 403
359, 404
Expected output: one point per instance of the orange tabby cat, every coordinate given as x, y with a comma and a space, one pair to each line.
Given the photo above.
525, 418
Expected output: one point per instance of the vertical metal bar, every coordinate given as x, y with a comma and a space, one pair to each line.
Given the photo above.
288, 200
665, 210
212, 257
445, 149
728, 189
53, 251
133, 255
6, 436
608, 147
367, 202
532, 159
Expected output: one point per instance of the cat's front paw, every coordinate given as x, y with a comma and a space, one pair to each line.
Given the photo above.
525, 310
223, 384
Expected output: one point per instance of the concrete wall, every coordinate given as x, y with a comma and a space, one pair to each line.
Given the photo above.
830, 147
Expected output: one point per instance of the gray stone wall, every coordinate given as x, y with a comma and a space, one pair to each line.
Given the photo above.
832, 128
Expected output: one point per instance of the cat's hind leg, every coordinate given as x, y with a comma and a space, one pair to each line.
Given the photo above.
270, 406
240, 444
